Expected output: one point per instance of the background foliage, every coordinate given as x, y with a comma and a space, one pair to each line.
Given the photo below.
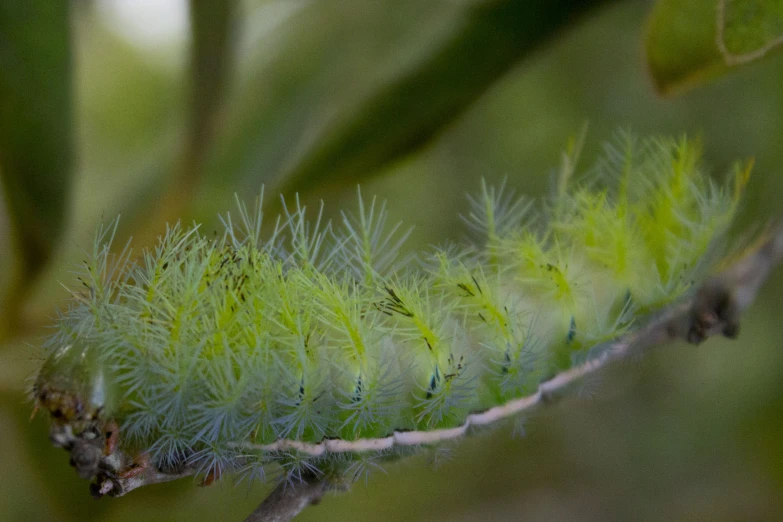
103, 111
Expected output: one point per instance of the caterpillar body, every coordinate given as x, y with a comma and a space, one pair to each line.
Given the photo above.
316, 349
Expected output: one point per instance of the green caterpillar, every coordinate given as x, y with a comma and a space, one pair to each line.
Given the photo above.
315, 348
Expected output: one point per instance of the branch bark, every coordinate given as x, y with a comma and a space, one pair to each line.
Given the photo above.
288, 500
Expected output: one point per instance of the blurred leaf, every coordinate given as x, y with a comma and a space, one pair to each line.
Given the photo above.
130, 119
690, 41
680, 42
35, 129
213, 33
327, 116
406, 112
749, 28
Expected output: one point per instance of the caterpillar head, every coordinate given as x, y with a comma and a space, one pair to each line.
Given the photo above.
72, 386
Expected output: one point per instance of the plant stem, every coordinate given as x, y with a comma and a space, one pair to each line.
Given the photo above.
289, 499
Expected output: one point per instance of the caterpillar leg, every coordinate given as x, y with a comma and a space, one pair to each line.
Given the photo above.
139, 465
112, 433
210, 479
714, 310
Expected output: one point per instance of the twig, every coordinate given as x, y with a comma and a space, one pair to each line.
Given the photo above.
117, 487
288, 500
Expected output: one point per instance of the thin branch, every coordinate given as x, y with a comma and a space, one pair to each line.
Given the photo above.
119, 486
288, 500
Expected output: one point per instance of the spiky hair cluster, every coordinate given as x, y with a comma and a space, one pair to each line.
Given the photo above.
238, 350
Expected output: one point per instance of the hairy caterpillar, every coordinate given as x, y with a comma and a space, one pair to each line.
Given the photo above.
313, 349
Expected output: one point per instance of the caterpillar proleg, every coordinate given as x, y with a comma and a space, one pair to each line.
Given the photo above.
316, 347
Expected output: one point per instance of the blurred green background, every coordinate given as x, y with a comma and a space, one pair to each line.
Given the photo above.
163, 109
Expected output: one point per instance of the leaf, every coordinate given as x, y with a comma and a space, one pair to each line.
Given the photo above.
213, 32
747, 29
691, 41
309, 125
35, 128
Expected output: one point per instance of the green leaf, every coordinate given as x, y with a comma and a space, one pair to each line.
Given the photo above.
213, 33
747, 29
35, 128
691, 41
323, 115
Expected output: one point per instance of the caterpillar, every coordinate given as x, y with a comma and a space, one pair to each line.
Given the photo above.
315, 347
